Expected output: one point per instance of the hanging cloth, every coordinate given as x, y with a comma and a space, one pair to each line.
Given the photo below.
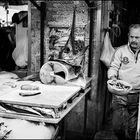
108, 50
20, 53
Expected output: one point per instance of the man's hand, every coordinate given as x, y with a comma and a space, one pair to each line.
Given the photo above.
114, 78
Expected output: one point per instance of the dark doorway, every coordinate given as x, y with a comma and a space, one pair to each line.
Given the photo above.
128, 13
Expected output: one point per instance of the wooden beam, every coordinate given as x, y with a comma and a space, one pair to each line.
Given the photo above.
94, 55
91, 44
29, 38
42, 26
36, 5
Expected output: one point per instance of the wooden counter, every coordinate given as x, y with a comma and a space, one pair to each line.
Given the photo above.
60, 98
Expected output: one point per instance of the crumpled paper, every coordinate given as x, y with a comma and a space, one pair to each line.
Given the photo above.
4, 130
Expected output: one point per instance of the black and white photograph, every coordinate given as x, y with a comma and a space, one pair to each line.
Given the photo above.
70, 69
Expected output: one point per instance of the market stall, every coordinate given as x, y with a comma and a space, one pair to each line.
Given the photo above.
36, 106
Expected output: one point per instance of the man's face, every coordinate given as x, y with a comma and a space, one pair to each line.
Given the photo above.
134, 38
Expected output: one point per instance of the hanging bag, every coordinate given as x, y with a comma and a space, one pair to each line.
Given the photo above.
107, 51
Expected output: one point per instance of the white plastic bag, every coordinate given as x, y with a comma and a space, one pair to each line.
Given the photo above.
20, 53
107, 51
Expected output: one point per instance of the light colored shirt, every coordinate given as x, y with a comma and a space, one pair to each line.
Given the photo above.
126, 65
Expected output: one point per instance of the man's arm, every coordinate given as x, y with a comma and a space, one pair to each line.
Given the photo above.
113, 77
115, 65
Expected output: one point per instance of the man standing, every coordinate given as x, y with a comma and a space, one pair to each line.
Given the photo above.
125, 65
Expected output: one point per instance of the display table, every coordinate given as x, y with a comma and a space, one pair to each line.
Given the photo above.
59, 98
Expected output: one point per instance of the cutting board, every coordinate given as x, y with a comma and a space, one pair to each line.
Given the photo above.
52, 96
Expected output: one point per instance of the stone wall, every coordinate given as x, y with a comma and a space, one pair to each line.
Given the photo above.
59, 17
